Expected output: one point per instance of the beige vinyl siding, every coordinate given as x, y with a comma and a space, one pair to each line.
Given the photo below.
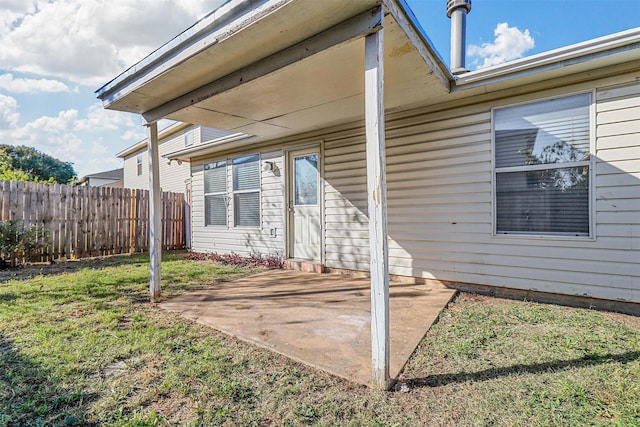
438, 183
131, 179
618, 178
345, 206
209, 134
440, 207
439, 189
243, 241
172, 177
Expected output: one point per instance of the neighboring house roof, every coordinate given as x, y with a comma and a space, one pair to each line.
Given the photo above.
283, 67
115, 174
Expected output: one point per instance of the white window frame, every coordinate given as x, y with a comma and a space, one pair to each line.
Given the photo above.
590, 163
189, 138
233, 192
139, 164
224, 194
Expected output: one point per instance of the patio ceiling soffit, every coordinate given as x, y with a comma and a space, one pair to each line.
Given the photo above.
356, 27
200, 104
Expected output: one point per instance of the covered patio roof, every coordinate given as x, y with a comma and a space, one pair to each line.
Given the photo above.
272, 68
280, 67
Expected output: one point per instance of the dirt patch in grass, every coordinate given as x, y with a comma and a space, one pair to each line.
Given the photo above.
175, 408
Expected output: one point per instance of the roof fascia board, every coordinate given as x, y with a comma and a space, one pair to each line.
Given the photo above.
403, 15
554, 59
353, 28
219, 25
163, 134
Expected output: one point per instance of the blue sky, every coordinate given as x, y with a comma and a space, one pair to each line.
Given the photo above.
55, 53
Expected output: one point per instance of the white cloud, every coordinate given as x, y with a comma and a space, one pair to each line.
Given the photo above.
134, 135
83, 43
99, 119
510, 43
9, 115
48, 134
67, 136
11, 11
25, 85
89, 42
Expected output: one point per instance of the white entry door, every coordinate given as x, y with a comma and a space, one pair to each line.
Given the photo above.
304, 205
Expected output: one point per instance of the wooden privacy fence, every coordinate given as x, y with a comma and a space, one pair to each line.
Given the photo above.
91, 221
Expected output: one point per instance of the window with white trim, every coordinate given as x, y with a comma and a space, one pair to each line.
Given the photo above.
215, 193
188, 138
246, 191
139, 164
542, 160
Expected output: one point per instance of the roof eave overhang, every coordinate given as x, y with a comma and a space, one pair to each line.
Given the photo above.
208, 31
403, 14
597, 53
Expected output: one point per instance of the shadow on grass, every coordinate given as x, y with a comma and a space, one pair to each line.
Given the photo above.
29, 395
494, 373
30, 271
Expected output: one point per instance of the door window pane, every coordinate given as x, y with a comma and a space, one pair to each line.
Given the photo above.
306, 180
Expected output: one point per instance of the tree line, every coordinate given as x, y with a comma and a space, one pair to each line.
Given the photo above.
22, 163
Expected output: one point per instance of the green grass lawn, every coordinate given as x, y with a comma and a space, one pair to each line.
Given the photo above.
82, 346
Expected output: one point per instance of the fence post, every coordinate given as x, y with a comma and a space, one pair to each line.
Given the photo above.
132, 223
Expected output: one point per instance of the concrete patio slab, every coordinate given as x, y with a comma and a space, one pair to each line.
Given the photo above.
322, 320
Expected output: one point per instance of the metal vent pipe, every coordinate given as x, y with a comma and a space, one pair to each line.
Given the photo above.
457, 10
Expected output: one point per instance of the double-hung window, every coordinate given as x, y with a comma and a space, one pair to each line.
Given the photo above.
139, 164
543, 166
246, 191
215, 193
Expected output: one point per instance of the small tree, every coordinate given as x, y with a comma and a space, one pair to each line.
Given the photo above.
18, 242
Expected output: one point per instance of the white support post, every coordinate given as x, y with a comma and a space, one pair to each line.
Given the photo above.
155, 212
377, 202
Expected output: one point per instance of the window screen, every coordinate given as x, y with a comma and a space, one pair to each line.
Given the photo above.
215, 190
542, 167
246, 191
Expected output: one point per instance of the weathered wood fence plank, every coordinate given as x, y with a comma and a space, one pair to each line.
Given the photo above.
90, 221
